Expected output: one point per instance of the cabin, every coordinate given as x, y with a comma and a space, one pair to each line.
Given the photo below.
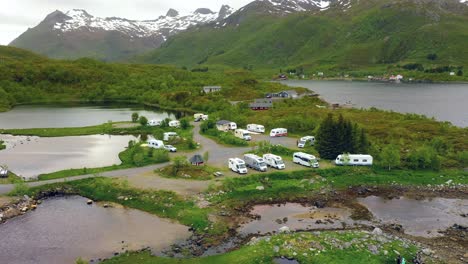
197, 160
261, 104
211, 89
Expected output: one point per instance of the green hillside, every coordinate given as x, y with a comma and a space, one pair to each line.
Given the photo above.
29, 78
370, 37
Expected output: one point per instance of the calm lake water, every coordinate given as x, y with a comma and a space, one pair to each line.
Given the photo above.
418, 217
445, 102
31, 156
63, 229
31, 116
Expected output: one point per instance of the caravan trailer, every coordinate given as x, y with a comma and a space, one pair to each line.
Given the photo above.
168, 135
174, 123
242, 134
274, 161
154, 123
306, 141
279, 132
354, 160
256, 128
154, 143
305, 159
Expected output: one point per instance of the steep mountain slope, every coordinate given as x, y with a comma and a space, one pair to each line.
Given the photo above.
348, 35
77, 34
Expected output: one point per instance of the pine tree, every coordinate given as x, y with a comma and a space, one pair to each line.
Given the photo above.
326, 138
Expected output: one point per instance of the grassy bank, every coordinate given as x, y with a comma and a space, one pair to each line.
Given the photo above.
320, 247
162, 203
188, 172
284, 186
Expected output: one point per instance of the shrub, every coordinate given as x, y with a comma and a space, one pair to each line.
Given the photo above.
143, 121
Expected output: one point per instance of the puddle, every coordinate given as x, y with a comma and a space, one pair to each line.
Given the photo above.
285, 261
418, 217
63, 229
297, 217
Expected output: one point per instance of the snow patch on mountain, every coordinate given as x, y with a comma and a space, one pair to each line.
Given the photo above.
299, 5
173, 22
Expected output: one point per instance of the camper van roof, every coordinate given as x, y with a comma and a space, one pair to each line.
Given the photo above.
223, 122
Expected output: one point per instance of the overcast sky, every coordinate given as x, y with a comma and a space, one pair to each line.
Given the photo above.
18, 15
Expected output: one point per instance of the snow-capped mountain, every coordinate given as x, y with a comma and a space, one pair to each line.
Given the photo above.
77, 33
165, 26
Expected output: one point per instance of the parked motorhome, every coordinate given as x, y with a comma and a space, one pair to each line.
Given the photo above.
279, 132
154, 123
237, 165
354, 160
3, 172
174, 123
169, 135
274, 161
243, 134
225, 125
256, 128
306, 141
154, 143
305, 159
200, 116
255, 162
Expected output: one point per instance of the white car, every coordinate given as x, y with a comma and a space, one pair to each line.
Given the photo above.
170, 148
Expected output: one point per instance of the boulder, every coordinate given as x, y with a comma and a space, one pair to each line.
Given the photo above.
260, 188
377, 231
284, 229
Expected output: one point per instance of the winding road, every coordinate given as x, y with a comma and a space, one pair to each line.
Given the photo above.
218, 156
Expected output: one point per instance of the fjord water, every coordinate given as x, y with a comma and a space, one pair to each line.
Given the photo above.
63, 229
444, 102
34, 116
31, 156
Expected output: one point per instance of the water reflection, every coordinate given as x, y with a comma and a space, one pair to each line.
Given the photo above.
32, 156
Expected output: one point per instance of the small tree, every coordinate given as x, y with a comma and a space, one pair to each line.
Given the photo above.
184, 123
135, 117
138, 159
179, 163
143, 121
206, 156
459, 73
390, 156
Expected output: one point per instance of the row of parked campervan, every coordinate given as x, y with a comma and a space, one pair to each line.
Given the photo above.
255, 162
159, 144
172, 123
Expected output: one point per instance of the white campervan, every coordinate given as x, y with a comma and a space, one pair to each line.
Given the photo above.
255, 162
354, 160
243, 134
154, 123
306, 141
154, 143
237, 165
174, 123
279, 132
256, 128
305, 159
274, 161
168, 135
